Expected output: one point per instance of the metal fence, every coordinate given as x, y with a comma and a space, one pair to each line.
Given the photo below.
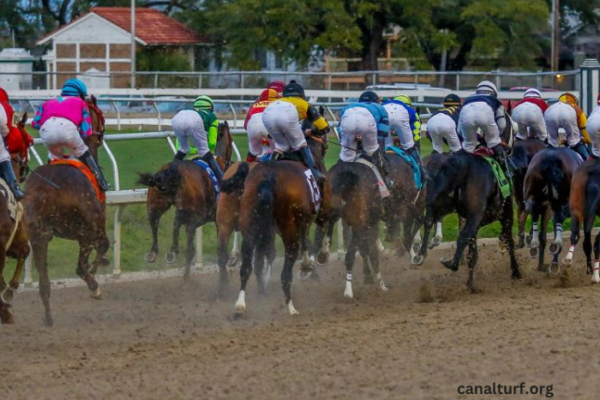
453, 80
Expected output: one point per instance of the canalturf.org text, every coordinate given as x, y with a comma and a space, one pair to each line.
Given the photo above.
496, 388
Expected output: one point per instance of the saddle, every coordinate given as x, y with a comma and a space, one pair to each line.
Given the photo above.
368, 161
211, 174
100, 195
417, 178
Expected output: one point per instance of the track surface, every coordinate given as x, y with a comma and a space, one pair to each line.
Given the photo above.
166, 340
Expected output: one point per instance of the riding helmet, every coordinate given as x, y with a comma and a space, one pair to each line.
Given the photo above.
268, 95
568, 98
293, 89
74, 87
451, 100
405, 99
368, 97
204, 103
487, 87
532, 93
278, 86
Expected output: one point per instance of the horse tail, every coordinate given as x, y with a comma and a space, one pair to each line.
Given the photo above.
590, 204
262, 214
345, 182
237, 181
551, 169
167, 179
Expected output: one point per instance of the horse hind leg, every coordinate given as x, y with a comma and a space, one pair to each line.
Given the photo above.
596, 268
39, 247
190, 251
83, 270
14, 282
5, 314
468, 232
248, 244
373, 255
171, 256
154, 217
287, 274
472, 261
349, 262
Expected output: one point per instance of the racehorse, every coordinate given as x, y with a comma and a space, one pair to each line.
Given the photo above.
522, 154
277, 198
61, 201
467, 184
188, 187
14, 241
583, 205
546, 193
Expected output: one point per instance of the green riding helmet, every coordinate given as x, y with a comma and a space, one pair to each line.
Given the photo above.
204, 103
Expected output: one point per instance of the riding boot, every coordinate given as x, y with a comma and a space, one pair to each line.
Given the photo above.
383, 167
213, 164
501, 157
580, 149
179, 156
88, 160
9, 176
414, 153
309, 161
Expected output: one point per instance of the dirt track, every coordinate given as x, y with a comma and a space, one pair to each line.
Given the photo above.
424, 338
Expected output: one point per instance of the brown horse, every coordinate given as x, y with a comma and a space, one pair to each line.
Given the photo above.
61, 201
584, 207
523, 153
188, 187
546, 194
14, 241
276, 198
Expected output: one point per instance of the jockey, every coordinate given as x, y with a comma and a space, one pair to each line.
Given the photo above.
529, 115
257, 133
65, 122
6, 128
593, 130
568, 115
281, 120
194, 125
442, 125
406, 124
484, 111
368, 120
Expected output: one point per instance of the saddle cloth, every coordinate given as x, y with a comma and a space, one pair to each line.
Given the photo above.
417, 178
213, 178
383, 190
315, 193
15, 209
503, 183
100, 195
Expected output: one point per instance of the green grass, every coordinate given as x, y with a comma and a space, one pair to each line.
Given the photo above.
150, 155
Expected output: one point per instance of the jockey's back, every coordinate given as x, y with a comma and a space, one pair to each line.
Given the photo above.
73, 109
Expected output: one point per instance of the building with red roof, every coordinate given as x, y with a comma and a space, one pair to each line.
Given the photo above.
99, 42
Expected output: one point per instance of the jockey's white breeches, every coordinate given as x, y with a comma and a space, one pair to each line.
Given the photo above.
441, 126
257, 134
474, 116
357, 122
593, 130
531, 122
282, 123
562, 115
400, 126
4, 155
62, 138
188, 125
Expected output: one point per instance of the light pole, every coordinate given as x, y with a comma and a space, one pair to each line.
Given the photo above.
132, 44
555, 34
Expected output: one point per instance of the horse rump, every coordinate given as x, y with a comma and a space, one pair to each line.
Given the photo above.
551, 169
168, 179
237, 181
261, 222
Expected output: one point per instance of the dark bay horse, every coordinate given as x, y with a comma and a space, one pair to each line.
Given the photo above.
466, 184
523, 153
584, 206
14, 241
546, 194
277, 199
186, 186
60, 201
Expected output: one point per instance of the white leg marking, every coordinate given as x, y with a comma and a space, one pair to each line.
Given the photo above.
380, 245
240, 304
291, 309
535, 239
417, 238
558, 236
569, 257
438, 231
348, 292
595, 274
379, 280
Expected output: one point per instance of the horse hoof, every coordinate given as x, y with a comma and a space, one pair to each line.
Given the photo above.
322, 259
554, 268
49, 321
171, 257
96, 294
449, 264
232, 262
528, 239
291, 309
555, 248
151, 257
534, 252
567, 261
8, 295
502, 247
304, 275
416, 247
417, 260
